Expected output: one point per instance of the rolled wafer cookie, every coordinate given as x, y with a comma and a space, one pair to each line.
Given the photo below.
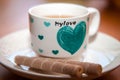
88, 68
49, 65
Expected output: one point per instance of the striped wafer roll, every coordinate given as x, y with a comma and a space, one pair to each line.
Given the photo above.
49, 65
88, 68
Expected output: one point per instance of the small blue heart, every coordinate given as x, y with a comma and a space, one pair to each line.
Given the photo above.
40, 50
31, 20
47, 24
41, 37
55, 52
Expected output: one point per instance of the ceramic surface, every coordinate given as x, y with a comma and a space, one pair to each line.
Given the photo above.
105, 50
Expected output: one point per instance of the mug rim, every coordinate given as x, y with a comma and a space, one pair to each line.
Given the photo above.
68, 4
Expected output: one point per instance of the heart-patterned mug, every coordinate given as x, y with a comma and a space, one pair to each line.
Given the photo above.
62, 30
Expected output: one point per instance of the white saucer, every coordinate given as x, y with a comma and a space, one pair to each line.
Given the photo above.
105, 50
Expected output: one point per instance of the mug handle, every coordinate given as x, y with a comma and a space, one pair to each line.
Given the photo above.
94, 21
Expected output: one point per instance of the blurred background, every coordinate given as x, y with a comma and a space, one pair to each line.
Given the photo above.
13, 14
14, 17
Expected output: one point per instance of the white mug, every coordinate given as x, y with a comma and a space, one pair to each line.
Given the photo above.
62, 30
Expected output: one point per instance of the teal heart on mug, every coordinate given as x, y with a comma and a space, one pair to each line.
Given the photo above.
40, 50
47, 24
41, 37
31, 20
55, 52
71, 39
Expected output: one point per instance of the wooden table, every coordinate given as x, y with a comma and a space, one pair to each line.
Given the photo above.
13, 17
